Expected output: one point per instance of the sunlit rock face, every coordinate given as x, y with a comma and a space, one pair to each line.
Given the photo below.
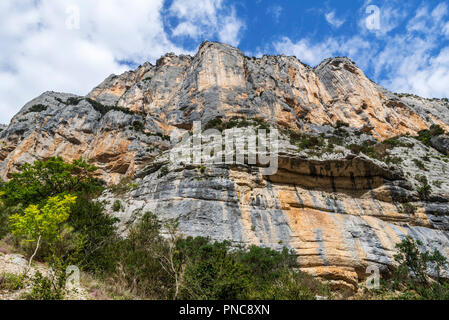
340, 210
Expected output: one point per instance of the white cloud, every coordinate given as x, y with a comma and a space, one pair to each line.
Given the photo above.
305, 50
390, 15
446, 29
310, 53
333, 20
231, 30
39, 53
275, 12
206, 18
414, 60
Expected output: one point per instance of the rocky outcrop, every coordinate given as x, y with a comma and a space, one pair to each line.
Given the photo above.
341, 202
219, 81
441, 143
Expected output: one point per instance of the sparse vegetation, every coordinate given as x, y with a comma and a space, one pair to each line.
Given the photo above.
124, 186
138, 126
425, 136
419, 164
163, 171
411, 279
117, 206
409, 208
37, 108
424, 189
11, 281
236, 122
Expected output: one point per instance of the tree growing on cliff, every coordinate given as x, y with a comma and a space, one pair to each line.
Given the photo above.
414, 262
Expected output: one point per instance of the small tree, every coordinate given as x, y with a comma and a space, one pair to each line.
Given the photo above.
36, 182
37, 224
412, 260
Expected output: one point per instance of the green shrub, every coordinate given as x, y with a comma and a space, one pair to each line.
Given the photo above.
124, 186
138, 126
212, 272
419, 164
425, 136
43, 179
37, 108
414, 263
140, 265
4, 215
236, 122
117, 206
97, 232
156, 267
163, 172
105, 109
425, 191
409, 208
216, 271
72, 101
11, 281
47, 288
341, 124
410, 279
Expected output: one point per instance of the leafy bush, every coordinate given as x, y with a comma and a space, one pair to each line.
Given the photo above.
138, 126
425, 136
4, 216
140, 267
216, 271
43, 179
341, 124
425, 191
39, 224
37, 108
97, 231
413, 266
170, 267
117, 206
419, 164
409, 208
105, 109
395, 143
47, 287
212, 272
411, 279
236, 122
11, 281
163, 172
72, 101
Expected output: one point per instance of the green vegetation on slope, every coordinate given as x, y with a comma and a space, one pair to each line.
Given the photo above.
53, 217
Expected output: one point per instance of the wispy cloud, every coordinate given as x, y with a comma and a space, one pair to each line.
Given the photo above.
411, 59
332, 19
275, 11
206, 18
39, 52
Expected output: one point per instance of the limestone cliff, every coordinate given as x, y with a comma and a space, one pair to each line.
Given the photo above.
342, 202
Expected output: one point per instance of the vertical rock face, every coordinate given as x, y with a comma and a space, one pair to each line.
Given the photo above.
340, 199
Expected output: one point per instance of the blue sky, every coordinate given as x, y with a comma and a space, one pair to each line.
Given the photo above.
73, 45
